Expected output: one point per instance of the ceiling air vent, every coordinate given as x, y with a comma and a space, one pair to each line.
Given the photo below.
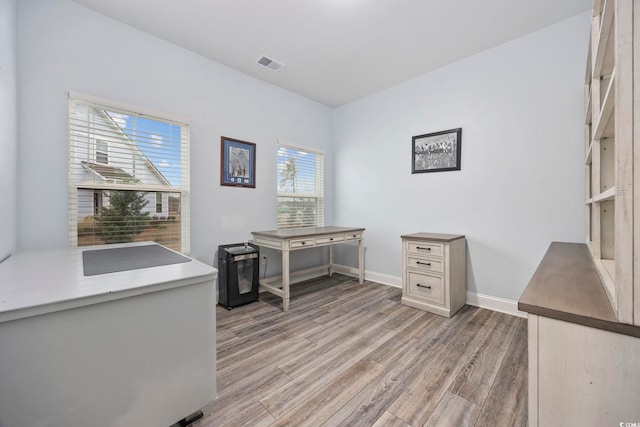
270, 63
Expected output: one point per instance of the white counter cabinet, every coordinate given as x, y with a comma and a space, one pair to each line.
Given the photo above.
119, 349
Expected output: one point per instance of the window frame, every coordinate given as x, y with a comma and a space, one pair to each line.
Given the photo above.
318, 196
183, 189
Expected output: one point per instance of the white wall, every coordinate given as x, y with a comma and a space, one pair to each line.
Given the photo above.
63, 46
8, 128
520, 106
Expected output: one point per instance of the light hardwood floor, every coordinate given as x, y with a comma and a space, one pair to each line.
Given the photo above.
351, 355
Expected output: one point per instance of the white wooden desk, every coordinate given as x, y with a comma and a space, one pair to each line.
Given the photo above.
292, 239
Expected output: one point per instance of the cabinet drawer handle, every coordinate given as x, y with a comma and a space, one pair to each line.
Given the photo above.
331, 239
420, 247
303, 243
423, 263
423, 286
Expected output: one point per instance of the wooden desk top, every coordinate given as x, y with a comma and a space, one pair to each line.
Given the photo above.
566, 286
294, 233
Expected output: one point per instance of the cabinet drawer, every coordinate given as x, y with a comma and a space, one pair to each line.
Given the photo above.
425, 248
329, 239
301, 243
425, 264
426, 286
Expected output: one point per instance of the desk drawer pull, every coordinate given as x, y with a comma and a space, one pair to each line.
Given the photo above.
423, 286
423, 263
420, 247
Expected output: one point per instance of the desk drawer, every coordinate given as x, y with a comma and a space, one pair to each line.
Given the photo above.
424, 248
427, 287
329, 239
353, 236
301, 243
425, 264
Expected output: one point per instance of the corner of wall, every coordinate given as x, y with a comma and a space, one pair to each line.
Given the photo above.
8, 128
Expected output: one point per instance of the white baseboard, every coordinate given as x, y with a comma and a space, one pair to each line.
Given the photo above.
477, 300
494, 303
385, 279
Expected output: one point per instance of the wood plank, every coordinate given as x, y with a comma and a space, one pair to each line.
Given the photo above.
476, 377
532, 372
243, 393
418, 401
454, 410
322, 405
624, 132
389, 420
253, 416
249, 365
506, 403
373, 401
305, 386
636, 172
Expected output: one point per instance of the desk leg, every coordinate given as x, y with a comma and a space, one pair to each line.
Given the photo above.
285, 280
330, 260
361, 261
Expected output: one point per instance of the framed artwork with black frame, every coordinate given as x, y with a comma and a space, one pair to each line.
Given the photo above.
237, 163
437, 151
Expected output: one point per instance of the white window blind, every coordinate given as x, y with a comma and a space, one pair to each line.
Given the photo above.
128, 175
300, 186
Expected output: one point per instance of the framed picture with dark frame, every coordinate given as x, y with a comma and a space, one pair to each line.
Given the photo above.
437, 151
237, 163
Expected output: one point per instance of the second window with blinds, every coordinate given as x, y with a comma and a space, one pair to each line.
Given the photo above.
300, 186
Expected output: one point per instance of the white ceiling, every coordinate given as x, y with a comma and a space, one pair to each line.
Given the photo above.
337, 51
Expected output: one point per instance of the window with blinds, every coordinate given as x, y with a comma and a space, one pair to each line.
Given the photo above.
128, 175
300, 186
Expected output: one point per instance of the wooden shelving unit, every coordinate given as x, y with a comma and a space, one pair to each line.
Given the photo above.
609, 155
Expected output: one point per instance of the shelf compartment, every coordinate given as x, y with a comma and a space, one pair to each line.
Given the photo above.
589, 157
605, 124
607, 229
589, 182
604, 59
588, 223
588, 110
592, 225
607, 164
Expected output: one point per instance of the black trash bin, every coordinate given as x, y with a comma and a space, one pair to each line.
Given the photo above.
238, 265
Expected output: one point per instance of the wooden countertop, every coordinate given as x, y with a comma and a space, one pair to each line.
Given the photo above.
566, 286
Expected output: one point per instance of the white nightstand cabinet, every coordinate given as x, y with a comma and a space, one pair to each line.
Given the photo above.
434, 272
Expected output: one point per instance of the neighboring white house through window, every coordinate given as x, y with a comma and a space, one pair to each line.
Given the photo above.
300, 186
128, 175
